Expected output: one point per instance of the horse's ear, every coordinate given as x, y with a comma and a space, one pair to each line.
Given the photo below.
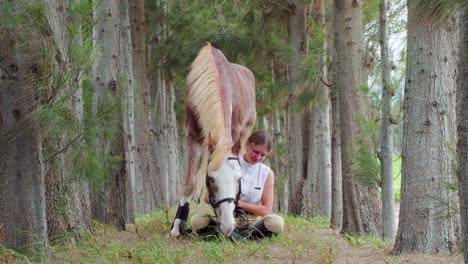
211, 143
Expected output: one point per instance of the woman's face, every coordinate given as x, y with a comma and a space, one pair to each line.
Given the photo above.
255, 153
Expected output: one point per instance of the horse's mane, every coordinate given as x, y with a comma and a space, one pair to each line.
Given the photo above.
206, 96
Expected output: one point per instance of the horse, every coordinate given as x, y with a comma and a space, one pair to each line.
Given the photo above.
220, 115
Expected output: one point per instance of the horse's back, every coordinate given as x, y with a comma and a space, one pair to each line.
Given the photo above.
220, 113
217, 90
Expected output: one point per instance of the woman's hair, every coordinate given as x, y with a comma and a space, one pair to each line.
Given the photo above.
261, 138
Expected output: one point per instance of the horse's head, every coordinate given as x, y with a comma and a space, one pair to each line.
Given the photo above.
223, 189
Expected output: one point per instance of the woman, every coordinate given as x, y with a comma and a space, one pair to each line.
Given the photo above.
254, 213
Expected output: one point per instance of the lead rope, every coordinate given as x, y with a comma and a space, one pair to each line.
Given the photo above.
241, 213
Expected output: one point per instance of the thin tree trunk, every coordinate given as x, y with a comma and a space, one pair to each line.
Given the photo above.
157, 187
158, 116
323, 126
144, 200
161, 143
427, 222
279, 167
462, 122
297, 28
127, 85
386, 143
175, 175
309, 203
337, 187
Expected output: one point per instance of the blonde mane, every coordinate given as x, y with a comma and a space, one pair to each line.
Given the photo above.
205, 95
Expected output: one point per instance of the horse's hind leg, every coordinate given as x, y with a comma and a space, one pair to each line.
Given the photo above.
180, 223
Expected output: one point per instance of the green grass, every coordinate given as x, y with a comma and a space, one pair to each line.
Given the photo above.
365, 241
304, 240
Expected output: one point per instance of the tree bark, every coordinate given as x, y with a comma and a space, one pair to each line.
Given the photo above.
277, 127
143, 196
128, 85
361, 206
22, 204
462, 127
297, 29
386, 143
175, 176
67, 195
110, 201
323, 126
164, 126
427, 222
337, 186
308, 204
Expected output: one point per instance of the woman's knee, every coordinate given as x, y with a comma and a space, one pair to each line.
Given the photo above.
274, 223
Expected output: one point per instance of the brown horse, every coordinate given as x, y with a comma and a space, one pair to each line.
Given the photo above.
220, 114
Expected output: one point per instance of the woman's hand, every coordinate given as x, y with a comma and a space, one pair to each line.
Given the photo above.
266, 207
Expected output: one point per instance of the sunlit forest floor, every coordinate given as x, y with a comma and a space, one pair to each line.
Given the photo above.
303, 241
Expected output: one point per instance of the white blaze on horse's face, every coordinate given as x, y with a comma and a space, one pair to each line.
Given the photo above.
224, 183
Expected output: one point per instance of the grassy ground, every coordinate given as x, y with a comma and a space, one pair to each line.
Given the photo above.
303, 241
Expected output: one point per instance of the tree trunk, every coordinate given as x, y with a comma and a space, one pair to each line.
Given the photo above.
128, 85
297, 28
279, 166
323, 126
175, 175
164, 127
337, 186
278, 163
22, 204
309, 203
157, 186
462, 127
160, 137
143, 196
110, 202
386, 143
67, 195
427, 223
361, 206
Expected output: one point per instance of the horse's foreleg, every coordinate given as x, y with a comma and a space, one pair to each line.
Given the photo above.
179, 226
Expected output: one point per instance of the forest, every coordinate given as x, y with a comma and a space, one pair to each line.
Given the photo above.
92, 117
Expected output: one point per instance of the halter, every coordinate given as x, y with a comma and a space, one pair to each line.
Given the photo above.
214, 204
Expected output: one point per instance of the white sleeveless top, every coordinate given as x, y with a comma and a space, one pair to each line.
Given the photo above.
253, 181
